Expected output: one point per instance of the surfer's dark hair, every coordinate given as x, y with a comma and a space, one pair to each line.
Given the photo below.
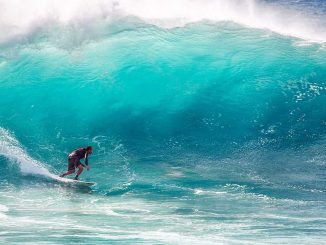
89, 148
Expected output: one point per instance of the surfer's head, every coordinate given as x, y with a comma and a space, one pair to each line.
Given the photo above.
89, 149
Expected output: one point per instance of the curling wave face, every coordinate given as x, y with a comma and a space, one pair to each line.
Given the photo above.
208, 85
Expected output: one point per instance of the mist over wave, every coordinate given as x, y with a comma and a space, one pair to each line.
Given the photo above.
22, 19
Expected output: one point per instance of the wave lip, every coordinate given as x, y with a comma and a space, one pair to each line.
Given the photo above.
35, 15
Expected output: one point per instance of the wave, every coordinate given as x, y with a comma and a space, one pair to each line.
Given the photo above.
225, 90
157, 95
21, 19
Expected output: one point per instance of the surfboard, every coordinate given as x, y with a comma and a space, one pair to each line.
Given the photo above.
75, 182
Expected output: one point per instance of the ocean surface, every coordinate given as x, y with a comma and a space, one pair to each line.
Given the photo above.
207, 118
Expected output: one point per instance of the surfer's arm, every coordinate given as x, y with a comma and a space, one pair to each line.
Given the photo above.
86, 161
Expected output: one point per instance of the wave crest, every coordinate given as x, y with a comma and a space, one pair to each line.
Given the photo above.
19, 19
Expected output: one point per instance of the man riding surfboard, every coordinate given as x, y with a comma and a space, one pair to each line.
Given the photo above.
74, 161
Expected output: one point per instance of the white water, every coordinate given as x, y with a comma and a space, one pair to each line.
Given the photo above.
23, 18
11, 149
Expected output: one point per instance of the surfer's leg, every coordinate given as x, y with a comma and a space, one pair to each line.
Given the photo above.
71, 168
67, 173
80, 170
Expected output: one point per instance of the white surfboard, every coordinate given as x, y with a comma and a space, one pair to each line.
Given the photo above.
75, 182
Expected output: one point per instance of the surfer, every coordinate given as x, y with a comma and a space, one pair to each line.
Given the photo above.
74, 161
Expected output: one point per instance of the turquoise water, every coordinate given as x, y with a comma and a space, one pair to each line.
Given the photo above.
212, 132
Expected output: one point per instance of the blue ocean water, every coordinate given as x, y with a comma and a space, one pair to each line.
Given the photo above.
207, 118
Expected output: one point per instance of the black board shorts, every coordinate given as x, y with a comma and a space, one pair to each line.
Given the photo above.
73, 162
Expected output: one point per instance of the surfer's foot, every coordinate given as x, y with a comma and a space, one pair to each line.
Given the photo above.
62, 175
76, 178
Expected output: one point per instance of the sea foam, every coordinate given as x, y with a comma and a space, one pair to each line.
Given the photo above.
20, 19
11, 149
